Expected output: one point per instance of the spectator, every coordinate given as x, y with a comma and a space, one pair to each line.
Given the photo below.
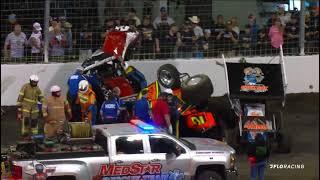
312, 32
147, 38
16, 42
235, 27
270, 21
6, 27
276, 33
258, 153
109, 25
228, 40
185, 49
217, 29
35, 41
161, 114
244, 41
132, 15
253, 30
163, 19
132, 25
57, 43
284, 17
85, 42
54, 21
166, 41
198, 37
208, 43
219, 26
117, 21
68, 34
292, 36
263, 44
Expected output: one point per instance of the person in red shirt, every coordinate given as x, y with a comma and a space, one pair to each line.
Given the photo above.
160, 112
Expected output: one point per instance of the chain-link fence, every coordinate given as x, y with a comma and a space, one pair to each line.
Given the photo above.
168, 28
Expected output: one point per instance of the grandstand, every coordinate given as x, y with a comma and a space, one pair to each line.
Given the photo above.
83, 25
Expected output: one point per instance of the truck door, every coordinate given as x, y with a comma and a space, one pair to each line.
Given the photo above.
173, 157
128, 158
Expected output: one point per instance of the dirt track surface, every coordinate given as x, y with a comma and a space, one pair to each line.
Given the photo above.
301, 119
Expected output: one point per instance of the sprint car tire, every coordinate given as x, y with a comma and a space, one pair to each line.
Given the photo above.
284, 143
197, 89
208, 175
168, 76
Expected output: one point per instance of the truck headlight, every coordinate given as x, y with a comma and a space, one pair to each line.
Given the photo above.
232, 160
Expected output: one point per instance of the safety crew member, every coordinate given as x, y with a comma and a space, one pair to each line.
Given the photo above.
161, 114
110, 110
56, 113
73, 84
87, 100
137, 78
142, 108
27, 103
173, 103
124, 108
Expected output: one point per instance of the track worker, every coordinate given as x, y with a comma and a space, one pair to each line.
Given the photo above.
173, 103
27, 103
161, 114
110, 110
87, 100
56, 113
73, 88
142, 108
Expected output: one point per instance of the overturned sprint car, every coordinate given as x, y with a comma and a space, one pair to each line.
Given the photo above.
193, 92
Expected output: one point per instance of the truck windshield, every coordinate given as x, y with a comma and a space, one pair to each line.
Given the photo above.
188, 144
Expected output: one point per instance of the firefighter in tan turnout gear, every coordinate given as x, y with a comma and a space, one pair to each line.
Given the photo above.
56, 113
28, 110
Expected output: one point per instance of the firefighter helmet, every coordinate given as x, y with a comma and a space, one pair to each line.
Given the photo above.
83, 86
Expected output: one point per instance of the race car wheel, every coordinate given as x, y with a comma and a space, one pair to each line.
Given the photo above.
197, 89
209, 175
169, 76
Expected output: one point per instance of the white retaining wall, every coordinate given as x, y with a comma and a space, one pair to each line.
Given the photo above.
302, 74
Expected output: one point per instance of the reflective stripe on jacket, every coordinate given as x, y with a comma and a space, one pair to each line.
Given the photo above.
28, 98
55, 108
86, 100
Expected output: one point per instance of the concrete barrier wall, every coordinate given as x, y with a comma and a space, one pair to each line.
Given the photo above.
302, 74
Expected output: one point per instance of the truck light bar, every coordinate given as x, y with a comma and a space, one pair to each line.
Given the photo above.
141, 124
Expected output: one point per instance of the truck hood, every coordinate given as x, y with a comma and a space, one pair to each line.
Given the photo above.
206, 144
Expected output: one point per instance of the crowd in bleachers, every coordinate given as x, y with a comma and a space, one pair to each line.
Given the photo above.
162, 37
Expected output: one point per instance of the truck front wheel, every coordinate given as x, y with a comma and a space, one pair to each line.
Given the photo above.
209, 175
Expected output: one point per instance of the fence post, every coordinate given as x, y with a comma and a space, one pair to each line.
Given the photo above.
46, 30
302, 27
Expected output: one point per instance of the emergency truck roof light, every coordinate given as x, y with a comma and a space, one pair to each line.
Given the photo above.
141, 124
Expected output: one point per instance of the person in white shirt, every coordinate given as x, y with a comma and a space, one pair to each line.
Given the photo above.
284, 17
15, 43
198, 36
132, 15
35, 41
162, 19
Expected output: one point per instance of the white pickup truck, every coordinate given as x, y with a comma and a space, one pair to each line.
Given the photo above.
128, 151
